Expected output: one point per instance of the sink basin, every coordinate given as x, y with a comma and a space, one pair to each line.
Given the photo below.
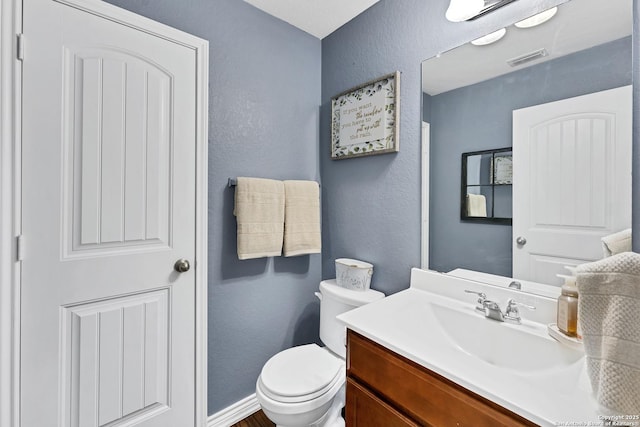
522, 348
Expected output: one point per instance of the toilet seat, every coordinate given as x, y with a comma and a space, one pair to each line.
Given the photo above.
301, 374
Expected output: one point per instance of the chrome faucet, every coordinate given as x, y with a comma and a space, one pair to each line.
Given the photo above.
491, 309
515, 285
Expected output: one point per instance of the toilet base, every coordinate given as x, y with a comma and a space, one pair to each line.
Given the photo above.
331, 418
334, 415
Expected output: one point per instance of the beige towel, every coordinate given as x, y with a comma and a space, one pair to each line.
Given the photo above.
302, 218
476, 205
259, 211
609, 313
617, 243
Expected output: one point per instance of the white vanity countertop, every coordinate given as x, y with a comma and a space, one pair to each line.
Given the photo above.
403, 323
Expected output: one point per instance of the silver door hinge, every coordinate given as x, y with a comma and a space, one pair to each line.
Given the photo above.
20, 247
20, 46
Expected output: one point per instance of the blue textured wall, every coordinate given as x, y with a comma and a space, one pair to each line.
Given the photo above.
478, 117
264, 93
371, 205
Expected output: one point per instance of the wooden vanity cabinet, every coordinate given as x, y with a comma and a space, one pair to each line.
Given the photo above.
385, 389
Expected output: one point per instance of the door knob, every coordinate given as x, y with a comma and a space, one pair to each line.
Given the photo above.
521, 241
181, 266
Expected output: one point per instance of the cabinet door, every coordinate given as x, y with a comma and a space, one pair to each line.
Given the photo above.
366, 410
421, 394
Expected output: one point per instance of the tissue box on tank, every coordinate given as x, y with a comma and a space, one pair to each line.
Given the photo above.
353, 274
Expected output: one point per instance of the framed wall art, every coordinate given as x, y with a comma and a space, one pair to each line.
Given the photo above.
365, 120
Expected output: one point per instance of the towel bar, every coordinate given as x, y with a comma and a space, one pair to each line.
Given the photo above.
232, 182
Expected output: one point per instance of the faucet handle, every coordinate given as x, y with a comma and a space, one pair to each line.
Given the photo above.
513, 304
512, 312
482, 297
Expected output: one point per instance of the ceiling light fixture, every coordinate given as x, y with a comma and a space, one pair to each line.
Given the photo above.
461, 10
538, 19
465, 10
490, 38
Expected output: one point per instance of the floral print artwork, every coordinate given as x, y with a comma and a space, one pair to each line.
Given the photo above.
370, 122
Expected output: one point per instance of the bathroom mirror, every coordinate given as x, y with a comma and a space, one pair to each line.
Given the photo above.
473, 99
485, 194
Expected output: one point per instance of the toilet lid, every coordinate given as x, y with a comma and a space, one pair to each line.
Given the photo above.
300, 373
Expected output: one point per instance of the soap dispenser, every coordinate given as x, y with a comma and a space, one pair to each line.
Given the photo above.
568, 306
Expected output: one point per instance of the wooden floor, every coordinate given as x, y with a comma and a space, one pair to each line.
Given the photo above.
259, 419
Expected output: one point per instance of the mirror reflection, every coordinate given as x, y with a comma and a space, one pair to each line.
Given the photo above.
486, 194
559, 94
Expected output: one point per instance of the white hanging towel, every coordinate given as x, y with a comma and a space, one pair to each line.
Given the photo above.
259, 211
302, 218
609, 313
476, 205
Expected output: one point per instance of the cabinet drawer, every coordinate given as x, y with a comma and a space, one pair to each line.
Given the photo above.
419, 393
363, 409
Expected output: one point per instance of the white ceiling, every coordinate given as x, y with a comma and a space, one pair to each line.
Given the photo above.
316, 17
578, 25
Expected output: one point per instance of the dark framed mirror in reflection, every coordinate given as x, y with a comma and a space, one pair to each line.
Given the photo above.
486, 181
559, 94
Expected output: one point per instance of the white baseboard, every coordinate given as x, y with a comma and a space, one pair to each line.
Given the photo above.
234, 413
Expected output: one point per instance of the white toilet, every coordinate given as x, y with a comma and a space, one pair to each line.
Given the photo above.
304, 385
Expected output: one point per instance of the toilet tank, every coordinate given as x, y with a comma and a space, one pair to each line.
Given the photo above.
336, 300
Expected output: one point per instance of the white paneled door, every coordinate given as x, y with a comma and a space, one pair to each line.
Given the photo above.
571, 181
108, 330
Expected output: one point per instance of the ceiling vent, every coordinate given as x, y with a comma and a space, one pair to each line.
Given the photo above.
528, 57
